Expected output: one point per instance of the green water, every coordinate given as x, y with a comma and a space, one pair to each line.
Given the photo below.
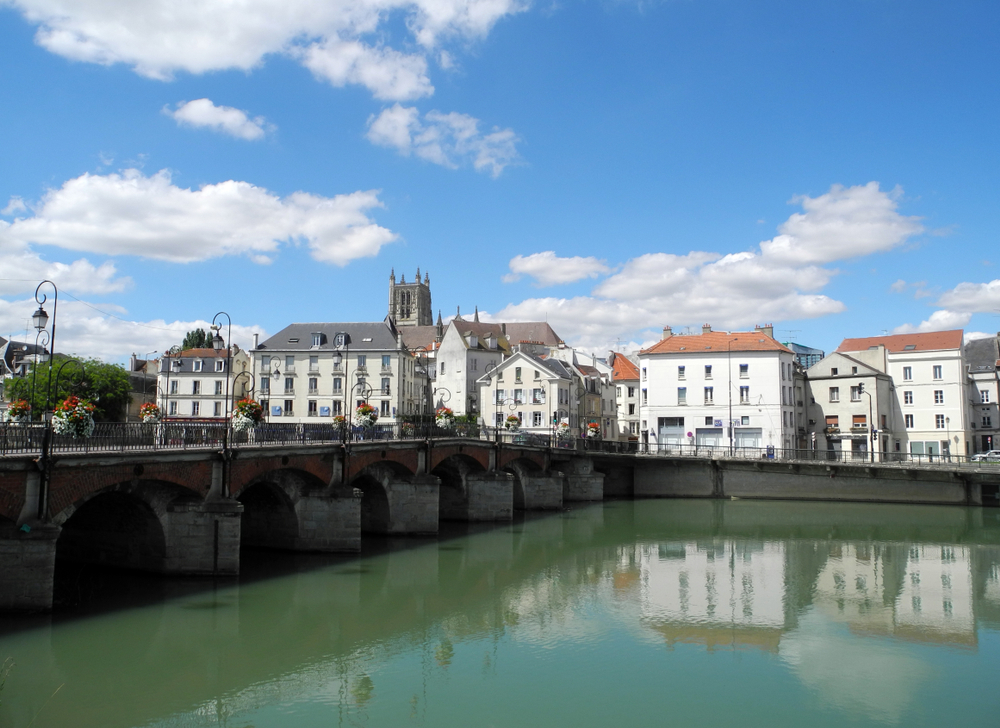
647, 613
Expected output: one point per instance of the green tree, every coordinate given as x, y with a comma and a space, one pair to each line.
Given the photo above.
197, 339
105, 385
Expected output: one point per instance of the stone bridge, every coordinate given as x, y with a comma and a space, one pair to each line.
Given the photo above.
190, 512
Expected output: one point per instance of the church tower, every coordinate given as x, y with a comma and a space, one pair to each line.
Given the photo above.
410, 303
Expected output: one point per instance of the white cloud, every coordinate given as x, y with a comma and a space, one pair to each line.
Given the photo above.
16, 204
942, 320
450, 140
158, 38
22, 269
387, 73
225, 119
86, 332
973, 297
149, 217
549, 270
898, 287
973, 335
846, 222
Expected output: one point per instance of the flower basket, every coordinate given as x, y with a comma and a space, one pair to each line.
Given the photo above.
247, 415
365, 415
593, 430
444, 418
512, 424
340, 422
408, 429
19, 412
149, 413
74, 417
562, 429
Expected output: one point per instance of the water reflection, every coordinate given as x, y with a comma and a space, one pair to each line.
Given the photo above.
840, 610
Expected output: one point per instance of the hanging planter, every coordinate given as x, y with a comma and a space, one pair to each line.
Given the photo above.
562, 429
513, 423
19, 412
339, 422
444, 418
247, 415
74, 417
149, 413
593, 430
365, 415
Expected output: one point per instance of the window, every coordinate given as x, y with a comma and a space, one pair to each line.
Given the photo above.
386, 361
218, 387
337, 385
312, 411
196, 365
832, 422
441, 369
220, 365
501, 396
475, 366
744, 371
907, 374
362, 361
518, 396
536, 419
987, 421
314, 363
317, 339
907, 397
265, 385
834, 394
744, 395
644, 374
289, 405
884, 426
265, 363
631, 391
517, 374
173, 387
217, 409
195, 409
385, 385
984, 396
938, 396
856, 394
937, 371
313, 385
337, 408
854, 370
173, 408
709, 421
289, 385
939, 421
290, 363
682, 396
631, 409
196, 387
745, 420
908, 421
708, 371
618, 391
538, 374
859, 421
833, 371
680, 373
709, 395
384, 411
538, 396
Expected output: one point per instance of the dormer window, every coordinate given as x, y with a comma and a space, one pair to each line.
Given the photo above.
317, 339
196, 365
473, 341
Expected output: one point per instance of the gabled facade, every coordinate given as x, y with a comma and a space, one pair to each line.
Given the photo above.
929, 375
193, 383
841, 413
625, 375
536, 390
467, 350
314, 372
981, 358
718, 390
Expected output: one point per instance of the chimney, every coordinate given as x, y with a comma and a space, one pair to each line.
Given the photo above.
503, 329
256, 340
667, 332
133, 363
766, 329
706, 328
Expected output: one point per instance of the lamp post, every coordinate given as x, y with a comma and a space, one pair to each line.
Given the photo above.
490, 377
947, 424
729, 372
217, 344
341, 354
871, 421
40, 320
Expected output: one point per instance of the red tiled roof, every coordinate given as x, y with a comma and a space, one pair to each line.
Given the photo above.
933, 341
623, 368
716, 341
207, 353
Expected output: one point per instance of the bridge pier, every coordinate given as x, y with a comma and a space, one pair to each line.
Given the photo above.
580, 481
536, 490
27, 567
329, 523
202, 538
470, 495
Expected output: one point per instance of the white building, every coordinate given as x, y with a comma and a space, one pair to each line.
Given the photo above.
981, 356
717, 389
929, 375
194, 383
625, 374
467, 351
534, 389
315, 372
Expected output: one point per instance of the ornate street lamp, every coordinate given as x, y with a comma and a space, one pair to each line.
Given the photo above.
218, 344
46, 337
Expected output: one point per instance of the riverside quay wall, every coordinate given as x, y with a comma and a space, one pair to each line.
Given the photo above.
191, 511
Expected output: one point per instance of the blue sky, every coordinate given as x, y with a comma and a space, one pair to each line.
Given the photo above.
612, 167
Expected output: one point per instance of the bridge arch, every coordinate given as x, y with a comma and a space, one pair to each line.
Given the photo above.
374, 483
453, 497
522, 469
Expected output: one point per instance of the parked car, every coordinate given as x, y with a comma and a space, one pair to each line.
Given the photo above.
992, 456
526, 438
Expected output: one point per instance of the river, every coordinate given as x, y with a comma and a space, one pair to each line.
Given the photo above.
628, 613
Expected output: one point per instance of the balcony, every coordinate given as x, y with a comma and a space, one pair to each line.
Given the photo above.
386, 369
289, 392
831, 430
313, 392
289, 369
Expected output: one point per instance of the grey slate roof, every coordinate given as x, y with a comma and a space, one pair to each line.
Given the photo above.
538, 331
382, 337
981, 355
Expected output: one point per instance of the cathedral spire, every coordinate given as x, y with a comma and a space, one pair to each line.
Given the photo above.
476, 319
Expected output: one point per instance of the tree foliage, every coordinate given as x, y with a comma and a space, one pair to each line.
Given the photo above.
105, 385
197, 339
